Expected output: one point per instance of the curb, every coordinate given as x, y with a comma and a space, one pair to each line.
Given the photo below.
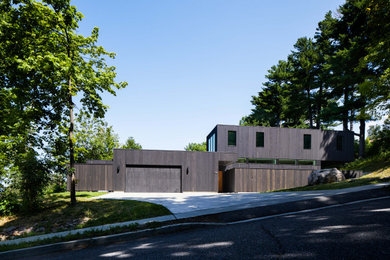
101, 240
83, 230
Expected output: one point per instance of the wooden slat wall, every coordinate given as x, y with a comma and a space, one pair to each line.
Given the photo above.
93, 177
261, 180
285, 143
199, 169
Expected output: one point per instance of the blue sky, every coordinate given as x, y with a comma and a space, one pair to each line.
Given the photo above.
192, 64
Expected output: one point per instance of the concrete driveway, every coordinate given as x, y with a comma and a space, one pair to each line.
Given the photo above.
200, 203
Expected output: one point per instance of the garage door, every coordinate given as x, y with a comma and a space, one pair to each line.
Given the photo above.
153, 179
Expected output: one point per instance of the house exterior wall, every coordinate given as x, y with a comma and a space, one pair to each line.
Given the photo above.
199, 170
144, 170
285, 143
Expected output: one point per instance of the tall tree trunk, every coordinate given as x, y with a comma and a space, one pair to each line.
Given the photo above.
319, 108
345, 114
351, 121
310, 108
362, 141
71, 148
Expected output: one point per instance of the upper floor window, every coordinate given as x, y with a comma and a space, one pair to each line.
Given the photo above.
339, 143
259, 139
306, 141
232, 138
211, 143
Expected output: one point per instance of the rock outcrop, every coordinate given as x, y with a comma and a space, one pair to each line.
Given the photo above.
325, 176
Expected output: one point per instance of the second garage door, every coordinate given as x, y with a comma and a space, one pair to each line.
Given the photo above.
153, 179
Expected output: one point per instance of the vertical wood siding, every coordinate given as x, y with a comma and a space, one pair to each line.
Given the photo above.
262, 180
285, 143
93, 177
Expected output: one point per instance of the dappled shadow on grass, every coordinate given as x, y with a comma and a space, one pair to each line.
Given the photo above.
57, 215
339, 185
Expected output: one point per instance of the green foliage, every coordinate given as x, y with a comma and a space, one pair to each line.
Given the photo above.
9, 203
202, 147
44, 63
32, 178
340, 76
94, 139
57, 183
131, 144
379, 139
371, 163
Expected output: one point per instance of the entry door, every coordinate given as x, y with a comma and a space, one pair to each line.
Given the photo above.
153, 179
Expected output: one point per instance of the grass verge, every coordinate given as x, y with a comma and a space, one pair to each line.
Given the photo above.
57, 215
378, 176
88, 234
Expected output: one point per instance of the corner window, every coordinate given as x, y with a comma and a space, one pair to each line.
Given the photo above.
211, 143
232, 138
259, 139
339, 143
306, 141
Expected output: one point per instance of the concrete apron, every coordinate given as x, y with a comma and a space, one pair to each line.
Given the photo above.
189, 203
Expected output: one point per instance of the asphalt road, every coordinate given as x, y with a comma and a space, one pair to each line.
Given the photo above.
359, 231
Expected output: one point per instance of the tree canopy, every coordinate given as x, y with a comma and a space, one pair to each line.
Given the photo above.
44, 63
340, 76
131, 144
196, 147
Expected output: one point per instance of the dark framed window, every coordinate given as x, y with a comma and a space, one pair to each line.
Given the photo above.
232, 137
306, 141
259, 139
339, 143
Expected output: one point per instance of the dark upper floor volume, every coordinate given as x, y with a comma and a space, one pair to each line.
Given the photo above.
282, 143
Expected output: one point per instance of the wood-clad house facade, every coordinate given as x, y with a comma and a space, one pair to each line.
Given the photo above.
239, 159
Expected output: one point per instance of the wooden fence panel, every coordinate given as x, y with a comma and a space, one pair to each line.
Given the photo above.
93, 177
262, 180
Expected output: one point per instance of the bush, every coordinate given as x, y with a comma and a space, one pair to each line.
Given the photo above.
57, 183
9, 203
372, 163
32, 179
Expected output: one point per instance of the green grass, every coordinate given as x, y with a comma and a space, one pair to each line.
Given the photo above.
87, 234
378, 176
57, 215
371, 164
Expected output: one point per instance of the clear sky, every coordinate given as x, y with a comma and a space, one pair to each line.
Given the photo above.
192, 64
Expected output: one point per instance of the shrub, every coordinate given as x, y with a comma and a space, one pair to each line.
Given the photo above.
9, 203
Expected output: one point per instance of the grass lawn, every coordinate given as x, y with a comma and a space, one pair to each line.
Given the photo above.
57, 215
375, 163
378, 176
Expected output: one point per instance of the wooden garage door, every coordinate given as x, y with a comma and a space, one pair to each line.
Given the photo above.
153, 179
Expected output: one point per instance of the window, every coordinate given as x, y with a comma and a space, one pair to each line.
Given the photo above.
232, 138
306, 141
339, 143
211, 143
259, 139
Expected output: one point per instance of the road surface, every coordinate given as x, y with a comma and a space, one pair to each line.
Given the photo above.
358, 231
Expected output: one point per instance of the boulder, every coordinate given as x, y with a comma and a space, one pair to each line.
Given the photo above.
325, 176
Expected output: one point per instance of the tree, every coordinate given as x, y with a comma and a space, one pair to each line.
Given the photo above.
377, 31
271, 100
349, 45
202, 147
379, 137
131, 144
304, 60
94, 139
44, 64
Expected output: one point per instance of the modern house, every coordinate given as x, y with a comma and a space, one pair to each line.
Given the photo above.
238, 159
